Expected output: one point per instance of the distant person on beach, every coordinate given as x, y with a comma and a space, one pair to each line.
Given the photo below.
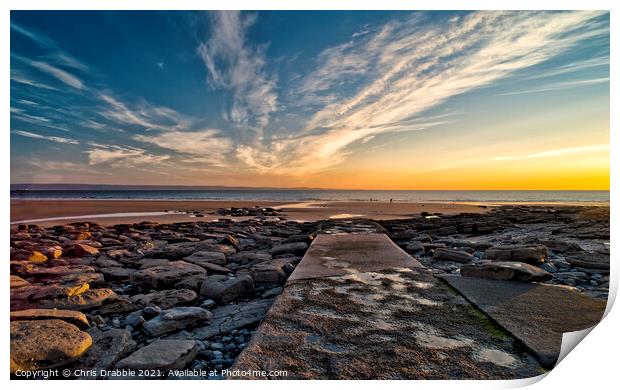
390, 200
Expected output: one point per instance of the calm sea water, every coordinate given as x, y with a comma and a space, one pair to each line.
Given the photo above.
292, 195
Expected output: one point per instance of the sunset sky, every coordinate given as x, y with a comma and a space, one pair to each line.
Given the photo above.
360, 100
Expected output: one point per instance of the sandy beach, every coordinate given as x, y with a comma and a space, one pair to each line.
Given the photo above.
167, 211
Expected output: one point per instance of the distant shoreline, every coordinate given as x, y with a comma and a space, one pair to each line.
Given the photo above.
113, 211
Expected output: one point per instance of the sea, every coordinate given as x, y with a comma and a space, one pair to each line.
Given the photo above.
308, 195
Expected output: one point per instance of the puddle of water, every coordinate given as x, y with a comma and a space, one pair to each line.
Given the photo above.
338, 216
497, 357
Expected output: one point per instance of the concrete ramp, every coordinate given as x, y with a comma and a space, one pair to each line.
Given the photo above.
358, 307
337, 254
536, 314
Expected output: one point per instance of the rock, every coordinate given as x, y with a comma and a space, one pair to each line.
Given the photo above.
414, 247
201, 257
45, 344
28, 255
191, 282
251, 257
561, 246
175, 319
590, 260
267, 275
166, 298
118, 253
116, 273
223, 290
230, 240
214, 269
82, 250
165, 276
458, 256
84, 301
236, 316
70, 316
17, 282
532, 254
548, 267
150, 263
161, 355
208, 304
116, 304
272, 293
505, 270
295, 248
108, 348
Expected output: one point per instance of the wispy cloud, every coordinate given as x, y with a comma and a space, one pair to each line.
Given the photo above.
61, 140
115, 155
58, 73
408, 67
235, 65
572, 67
557, 152
19, 77
559, 86
204, 146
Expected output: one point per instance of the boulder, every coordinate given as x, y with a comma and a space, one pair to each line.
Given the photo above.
455, 255
28, 255
165, 276
251, 257
71, 316
214, 269
175, 319
414, 247
235, 316
211, 257
17, 282
561, 246
83, 250
590, 260
268, 275
150, 263
295, 248
116, 273
166, 298
506, 270
530, 254
223, 289
84, 301
161, 355
44, 344
108, 348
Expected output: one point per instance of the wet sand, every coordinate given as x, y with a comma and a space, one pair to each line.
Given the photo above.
25, 210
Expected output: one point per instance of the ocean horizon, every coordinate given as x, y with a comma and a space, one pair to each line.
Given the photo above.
306, 195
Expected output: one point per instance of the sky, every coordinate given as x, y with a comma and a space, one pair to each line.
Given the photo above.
346, 100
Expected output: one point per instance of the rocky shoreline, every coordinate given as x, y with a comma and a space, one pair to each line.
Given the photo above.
160, 297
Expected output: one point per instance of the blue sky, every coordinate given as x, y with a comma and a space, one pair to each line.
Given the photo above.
327, 99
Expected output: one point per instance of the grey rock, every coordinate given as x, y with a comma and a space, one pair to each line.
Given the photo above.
530, 254
175, 319
508, 270
161, 354
236, 316
295, 248
201, 257
166, 276
165, 299
223, 290
458, 256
